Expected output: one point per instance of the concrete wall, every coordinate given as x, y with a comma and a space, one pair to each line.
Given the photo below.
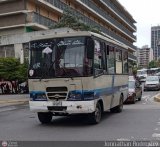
10, 31
19, 53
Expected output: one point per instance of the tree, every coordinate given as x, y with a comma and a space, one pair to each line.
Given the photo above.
71, 20
158, 63
12, 70
153, 64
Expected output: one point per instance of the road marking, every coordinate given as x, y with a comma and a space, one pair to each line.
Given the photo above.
156, 135
156, 129
7, 108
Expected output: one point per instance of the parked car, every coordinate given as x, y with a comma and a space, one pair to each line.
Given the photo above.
152, 83
134, 90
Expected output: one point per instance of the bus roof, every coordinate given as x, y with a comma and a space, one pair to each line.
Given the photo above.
144, 69
66, 32
154, 68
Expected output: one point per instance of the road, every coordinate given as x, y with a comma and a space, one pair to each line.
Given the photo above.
140, 121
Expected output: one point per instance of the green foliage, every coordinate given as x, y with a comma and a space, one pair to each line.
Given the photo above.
153, 64
11, 69
71, 20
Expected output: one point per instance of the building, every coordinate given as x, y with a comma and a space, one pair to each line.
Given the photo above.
24, 16
144, 56
155, 41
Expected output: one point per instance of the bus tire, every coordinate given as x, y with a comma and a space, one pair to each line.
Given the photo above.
118, 108
95, 117
45, 117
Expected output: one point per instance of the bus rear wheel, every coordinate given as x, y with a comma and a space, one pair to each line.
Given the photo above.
95, 117
45, 117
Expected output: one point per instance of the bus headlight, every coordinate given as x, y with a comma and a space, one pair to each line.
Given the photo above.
75, 96
38, 97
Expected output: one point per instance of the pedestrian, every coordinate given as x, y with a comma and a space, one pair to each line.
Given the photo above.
1, 85
7, 89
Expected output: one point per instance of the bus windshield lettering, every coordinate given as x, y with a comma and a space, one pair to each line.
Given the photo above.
61, 57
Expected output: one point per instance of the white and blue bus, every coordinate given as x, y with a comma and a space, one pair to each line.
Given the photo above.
154, 71
142, 74
77, 72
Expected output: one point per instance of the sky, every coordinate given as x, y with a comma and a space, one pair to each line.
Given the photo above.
147, 14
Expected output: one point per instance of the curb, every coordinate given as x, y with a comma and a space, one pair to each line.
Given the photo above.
13, 103
157, 98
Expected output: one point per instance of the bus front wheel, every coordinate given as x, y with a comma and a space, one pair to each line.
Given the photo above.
95, 117
45, 117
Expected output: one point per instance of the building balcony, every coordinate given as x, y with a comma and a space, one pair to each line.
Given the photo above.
132, 57
13, 6
38, 21
58, 4
12, 20
108, 18
119, 13
111, 34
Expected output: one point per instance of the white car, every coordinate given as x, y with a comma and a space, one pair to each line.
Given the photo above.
152, 83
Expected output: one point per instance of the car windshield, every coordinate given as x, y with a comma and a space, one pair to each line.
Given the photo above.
152, 78
131, 84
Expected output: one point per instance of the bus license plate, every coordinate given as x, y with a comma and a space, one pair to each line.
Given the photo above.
57, 103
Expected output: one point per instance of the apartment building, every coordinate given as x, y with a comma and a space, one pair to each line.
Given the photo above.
155, 41
24, 16
144, 56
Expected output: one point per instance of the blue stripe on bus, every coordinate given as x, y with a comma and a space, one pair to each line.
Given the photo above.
97, 92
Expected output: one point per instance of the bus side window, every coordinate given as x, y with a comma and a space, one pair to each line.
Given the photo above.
98, 58
125, 62
118, 61
110, 60
103, 51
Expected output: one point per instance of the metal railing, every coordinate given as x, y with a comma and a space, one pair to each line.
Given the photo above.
101, 12
58, 4
92, 23
88, 21
37, 18
118, 12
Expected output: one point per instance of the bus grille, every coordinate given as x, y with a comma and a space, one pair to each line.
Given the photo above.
57, 93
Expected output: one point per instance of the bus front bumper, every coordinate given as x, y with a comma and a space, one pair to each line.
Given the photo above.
65, 107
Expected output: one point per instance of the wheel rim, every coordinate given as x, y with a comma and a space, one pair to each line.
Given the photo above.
98, 114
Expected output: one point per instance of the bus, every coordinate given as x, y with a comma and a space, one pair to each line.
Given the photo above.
142, 74
77, 72
154, 71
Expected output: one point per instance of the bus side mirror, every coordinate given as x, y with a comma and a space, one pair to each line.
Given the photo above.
90, 48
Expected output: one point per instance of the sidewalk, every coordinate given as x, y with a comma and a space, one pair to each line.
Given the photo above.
14, 100
157, 98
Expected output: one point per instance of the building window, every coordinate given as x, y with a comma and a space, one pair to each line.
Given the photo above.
7, 51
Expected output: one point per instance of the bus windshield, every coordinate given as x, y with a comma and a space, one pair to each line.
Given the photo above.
60, 57
141, 72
